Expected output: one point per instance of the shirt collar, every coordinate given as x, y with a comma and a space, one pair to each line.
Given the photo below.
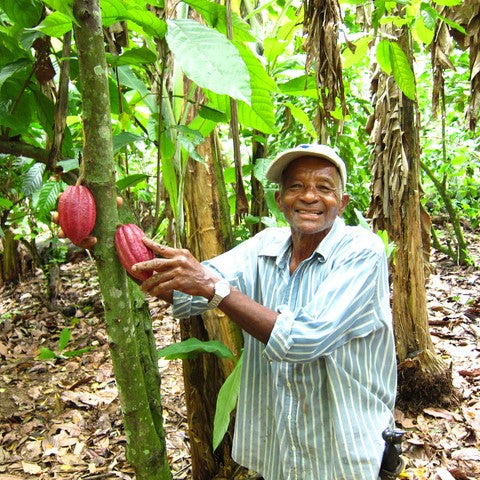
280, 246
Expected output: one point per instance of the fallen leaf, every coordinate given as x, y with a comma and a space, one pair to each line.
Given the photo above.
469, 453
32, 468
444, 474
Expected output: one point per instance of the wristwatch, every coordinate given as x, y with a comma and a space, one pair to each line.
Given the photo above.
222, 289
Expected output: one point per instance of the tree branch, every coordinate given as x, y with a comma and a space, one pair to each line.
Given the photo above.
22, 149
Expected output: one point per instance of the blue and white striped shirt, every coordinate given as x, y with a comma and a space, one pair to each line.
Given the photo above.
313, 401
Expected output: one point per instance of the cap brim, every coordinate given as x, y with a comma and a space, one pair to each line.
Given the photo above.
280, 163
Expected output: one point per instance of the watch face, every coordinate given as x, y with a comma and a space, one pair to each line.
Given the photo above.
222, 288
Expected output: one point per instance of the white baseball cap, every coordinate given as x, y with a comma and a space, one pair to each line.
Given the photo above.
281, 161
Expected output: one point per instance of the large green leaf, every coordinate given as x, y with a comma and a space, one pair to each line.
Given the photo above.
193, 346
393, 60
55, 25
260, 114
24, 13
402, 71
226, 402
209, 59
382, 54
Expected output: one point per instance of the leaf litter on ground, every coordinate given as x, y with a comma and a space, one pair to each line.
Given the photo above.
60, 417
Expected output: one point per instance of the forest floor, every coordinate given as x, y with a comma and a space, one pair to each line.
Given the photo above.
60, 418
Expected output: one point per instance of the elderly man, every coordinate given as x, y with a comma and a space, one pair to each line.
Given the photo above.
319, 372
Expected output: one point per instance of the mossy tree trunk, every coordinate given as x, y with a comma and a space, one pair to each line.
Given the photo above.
130, 339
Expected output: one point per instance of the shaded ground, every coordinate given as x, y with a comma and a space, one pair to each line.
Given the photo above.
60, 418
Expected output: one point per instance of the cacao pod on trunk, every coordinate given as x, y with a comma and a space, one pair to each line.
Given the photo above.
76, 212
131, 249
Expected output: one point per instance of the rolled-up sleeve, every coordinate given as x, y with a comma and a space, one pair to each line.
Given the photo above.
345, 305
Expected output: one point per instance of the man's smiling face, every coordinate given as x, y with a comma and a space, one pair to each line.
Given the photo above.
311, 197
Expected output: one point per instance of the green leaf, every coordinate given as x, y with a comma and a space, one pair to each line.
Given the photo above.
392, 60
33, 179
47, 197
68, 165
452, 24
210, 113
46, 354
421, 32
55, 25
64, 6
300, 115
5, 203
11, 68
112, 11
215, 14
151, 24
358, 53
65, 335
191, 347
170, 180
301, 86
226, 402
402, 71
131, 180
273, 48
383, 56
209, 59
129, 79
448, 3
429, 15
76, 353
134, 56
123, 139
260, 115
24, 13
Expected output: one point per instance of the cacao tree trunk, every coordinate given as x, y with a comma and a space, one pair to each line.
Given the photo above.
395, 206
133, 353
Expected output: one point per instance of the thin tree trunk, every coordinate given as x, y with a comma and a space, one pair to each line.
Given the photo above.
9, 259
131, 360
208, 235
396, 207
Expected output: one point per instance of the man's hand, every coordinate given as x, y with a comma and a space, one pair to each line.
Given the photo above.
175, 269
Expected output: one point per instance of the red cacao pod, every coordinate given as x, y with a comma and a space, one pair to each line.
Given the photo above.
76, 212
131, 249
